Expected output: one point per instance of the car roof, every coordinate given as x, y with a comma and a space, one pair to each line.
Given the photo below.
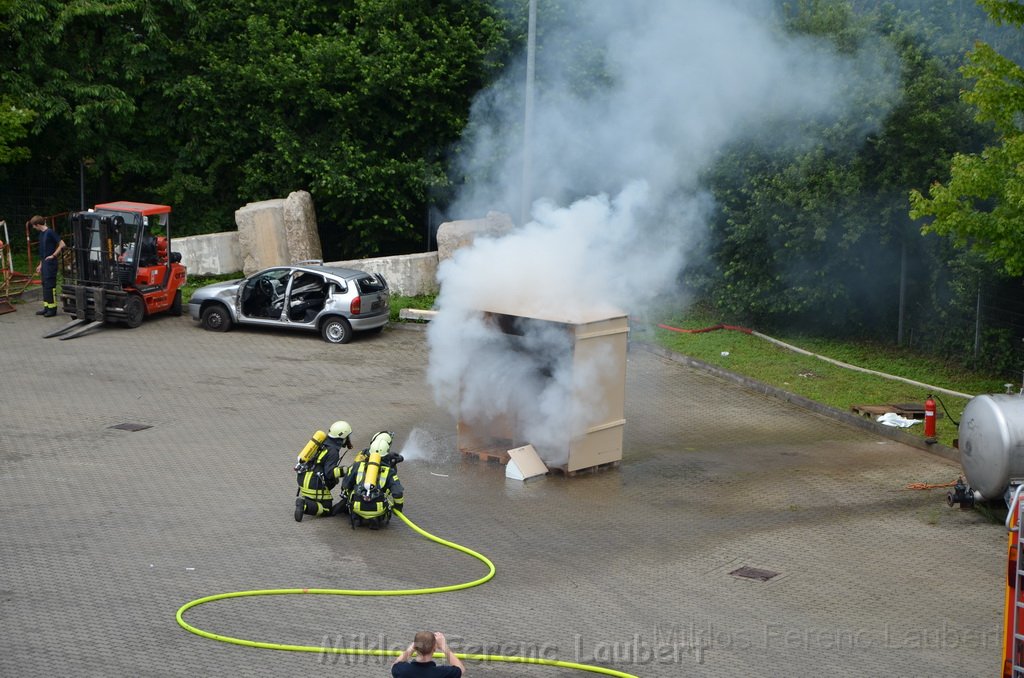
336, 271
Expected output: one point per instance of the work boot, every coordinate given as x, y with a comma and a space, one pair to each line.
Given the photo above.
49, 313
41, 311
300, 508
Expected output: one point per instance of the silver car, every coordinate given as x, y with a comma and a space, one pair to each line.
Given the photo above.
309, 296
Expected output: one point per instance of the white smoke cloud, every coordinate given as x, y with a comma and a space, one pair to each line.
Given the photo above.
419, 446
615, 173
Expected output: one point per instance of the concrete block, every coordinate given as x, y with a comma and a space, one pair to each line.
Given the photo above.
261, 235
416, 314
452, 235
300, 229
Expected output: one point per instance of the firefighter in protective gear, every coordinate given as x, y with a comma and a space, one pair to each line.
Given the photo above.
317, 476
371, 486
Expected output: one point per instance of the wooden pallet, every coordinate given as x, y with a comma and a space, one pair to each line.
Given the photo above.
905, 410
489, 455
564, 470
871, 411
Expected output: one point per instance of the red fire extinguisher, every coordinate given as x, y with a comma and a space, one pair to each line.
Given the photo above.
929, 417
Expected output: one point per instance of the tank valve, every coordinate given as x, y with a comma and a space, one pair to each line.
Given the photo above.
961, 494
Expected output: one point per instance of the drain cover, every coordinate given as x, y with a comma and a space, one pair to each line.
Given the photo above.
129, 426
754, 573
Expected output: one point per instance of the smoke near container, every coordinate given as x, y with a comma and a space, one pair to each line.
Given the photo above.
620, 210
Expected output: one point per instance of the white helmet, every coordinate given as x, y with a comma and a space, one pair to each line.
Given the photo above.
381, 443
340, 429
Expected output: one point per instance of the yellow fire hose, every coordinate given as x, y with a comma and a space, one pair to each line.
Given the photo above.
373, 592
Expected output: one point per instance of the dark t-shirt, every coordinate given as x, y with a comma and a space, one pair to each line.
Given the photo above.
424, 670
48, 241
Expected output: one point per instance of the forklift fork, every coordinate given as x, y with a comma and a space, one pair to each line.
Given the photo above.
81, 325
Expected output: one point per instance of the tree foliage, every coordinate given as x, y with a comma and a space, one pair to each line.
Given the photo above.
92, 73
982, 203
208, 107
14, 123
816, 236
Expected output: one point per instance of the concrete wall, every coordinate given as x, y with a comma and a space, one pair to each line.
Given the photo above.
408, 275
210, 254
265, 239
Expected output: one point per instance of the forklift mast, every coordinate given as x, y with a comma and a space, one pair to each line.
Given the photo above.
105, 247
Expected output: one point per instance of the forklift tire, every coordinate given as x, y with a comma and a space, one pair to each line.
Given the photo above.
134, 310
216, 319
175, 309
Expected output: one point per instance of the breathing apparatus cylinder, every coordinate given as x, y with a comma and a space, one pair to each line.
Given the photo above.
312, 446
372, 472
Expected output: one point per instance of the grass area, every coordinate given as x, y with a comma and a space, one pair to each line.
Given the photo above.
194, 282
421, 302
830, 384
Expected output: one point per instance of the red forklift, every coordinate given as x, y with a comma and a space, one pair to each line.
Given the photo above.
122, 267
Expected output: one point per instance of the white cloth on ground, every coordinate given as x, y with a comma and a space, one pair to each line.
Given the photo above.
893, 419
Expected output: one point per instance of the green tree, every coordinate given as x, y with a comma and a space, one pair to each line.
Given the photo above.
93, 73
14, 122
816, 236
356, 103
982, 204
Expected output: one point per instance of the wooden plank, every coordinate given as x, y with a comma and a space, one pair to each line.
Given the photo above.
906, 410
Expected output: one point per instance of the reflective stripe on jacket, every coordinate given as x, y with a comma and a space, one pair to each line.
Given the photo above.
311, 483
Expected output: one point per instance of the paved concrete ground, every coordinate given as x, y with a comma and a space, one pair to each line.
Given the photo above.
105, 533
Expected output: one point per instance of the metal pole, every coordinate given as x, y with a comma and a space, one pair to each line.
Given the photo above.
977, 325
903, 294
531, 45
81, 184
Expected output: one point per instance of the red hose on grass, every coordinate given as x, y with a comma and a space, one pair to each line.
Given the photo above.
720, 326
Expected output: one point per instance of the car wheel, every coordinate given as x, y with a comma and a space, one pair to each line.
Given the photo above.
175, 309
336, 331
216, 319
134, 310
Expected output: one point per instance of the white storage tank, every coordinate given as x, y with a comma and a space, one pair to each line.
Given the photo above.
992, 443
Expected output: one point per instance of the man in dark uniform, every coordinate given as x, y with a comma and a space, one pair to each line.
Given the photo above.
321, 473
50, 247
417, 661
